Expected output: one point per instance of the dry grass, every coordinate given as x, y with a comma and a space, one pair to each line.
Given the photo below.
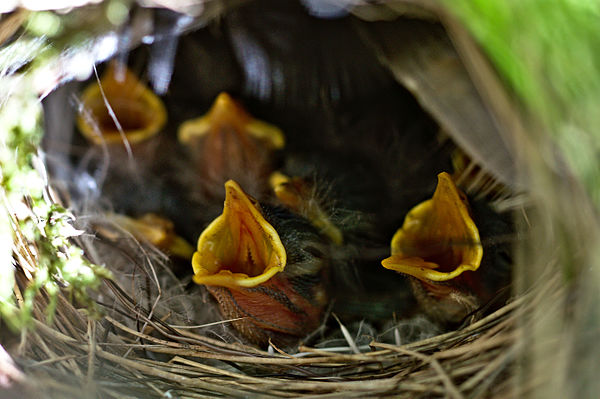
110, 358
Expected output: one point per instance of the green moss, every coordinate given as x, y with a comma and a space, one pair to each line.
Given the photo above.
24, 206
548, 53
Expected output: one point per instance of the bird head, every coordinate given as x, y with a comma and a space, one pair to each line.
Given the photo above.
439, 246
298, 194
119, 107
155, 230
239, 248
228, 143
269, 273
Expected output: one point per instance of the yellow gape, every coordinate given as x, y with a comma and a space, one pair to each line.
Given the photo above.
138, 112
438, 240
239, 248
226, 113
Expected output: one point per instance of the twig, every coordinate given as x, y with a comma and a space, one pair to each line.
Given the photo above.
492, 367
434, 363
91, 333
183, 381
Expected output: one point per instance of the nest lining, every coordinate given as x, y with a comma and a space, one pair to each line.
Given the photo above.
111, 359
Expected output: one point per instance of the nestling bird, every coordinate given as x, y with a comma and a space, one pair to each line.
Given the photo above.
265, 265
470, 176
156, 230
299, 195
225, 143
228, 143
120, 109
440, 248
123, 119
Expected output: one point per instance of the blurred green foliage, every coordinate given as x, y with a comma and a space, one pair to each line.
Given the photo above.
42, 229
548, 53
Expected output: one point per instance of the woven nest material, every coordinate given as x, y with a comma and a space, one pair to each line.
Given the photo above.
127, 337
112, 360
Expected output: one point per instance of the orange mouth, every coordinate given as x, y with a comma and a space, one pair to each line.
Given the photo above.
227, 114
438, 240
139, 112
156, 230
239, 248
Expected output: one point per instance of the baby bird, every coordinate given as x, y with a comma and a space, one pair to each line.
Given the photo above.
120, 109
228, 143
123, 119
342, 194
155, 230
265, 265
440, 248
299, 195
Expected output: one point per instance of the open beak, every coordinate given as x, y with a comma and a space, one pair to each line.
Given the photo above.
438, 240
227, 114
133, 112
155, 229
239, 248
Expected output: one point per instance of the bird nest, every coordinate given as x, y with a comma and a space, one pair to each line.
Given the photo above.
110, 312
